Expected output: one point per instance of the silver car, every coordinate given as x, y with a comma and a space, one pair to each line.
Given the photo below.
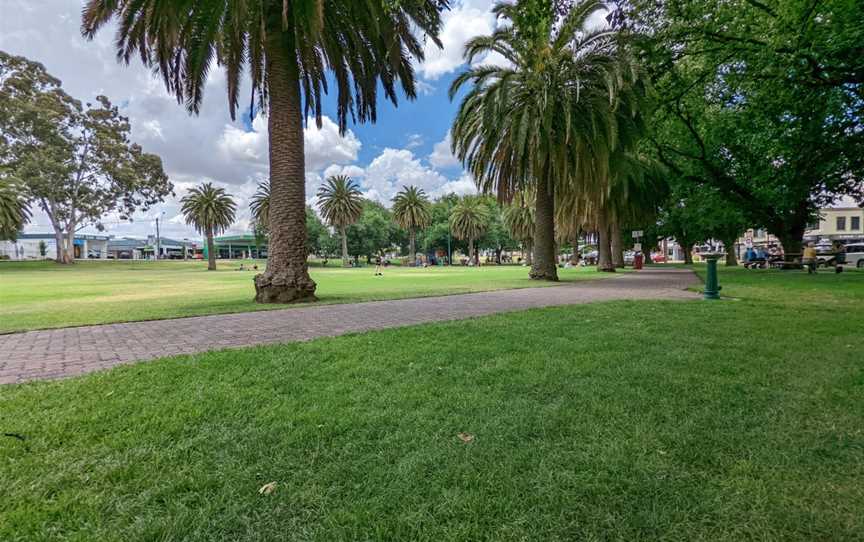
855, 255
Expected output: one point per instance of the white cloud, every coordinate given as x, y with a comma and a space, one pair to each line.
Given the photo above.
462, 186
414, 141
441, 156
465, 19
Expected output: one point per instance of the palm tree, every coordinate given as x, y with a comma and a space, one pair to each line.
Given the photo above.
411, 211
468, 220
542, 121
293, 50
341, 204
14, 211
260, 205
519, 220
210, 211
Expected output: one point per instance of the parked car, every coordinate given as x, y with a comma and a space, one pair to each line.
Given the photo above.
855, 255
628, 257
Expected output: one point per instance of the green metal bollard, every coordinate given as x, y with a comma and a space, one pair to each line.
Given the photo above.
712, 289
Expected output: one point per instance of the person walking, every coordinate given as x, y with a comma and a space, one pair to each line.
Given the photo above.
378, 272
808, 258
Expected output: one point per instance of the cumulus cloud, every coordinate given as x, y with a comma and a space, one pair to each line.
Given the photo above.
465, 19
462, 186
441, 156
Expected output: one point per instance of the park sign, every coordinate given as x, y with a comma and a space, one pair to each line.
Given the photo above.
637, 234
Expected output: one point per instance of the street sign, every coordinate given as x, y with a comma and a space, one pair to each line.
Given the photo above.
637, 247
637, 234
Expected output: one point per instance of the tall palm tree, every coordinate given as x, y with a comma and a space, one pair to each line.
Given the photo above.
519, 221
210, 211
543, 120
14, 211
469, 220
341, 204
259, 205
293, 50
411, 210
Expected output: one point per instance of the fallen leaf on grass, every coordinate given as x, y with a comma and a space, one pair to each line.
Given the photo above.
267, 489
466, 437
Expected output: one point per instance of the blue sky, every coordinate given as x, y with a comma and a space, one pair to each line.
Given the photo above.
405, 146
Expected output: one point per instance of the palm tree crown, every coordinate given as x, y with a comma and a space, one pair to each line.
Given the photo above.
340, 201
208, 209
519, 221
260, 204
544, 120
14, 212
469, 218
360, 44
411, 208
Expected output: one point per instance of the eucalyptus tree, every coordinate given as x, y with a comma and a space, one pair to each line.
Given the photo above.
411, 210
293, 51
469, 220
211, 211
341, 204
14, 211
542, 121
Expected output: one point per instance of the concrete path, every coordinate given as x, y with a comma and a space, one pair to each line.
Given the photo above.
59, 353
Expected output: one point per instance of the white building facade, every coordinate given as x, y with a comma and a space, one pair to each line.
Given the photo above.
41, 246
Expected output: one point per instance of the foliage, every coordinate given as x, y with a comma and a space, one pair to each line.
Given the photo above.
763, 101
411, 212
469, 220
315, 231
14, 211
259, 205
74, 161
340, 201
374, 233
208, 209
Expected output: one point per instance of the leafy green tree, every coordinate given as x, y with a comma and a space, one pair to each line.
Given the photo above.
763, 101
496, 237
14, 212
341, 204
74, 161
469, 220
315, 229
259, 206
411, 212
210, 210
544, 120
293, 51
374, 233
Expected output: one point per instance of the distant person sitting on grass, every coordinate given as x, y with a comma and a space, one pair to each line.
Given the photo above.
378, 272
808, 258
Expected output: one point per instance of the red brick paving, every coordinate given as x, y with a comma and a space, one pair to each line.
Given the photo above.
60, 353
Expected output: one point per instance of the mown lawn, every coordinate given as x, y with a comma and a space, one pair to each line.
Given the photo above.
36, 295
730, 420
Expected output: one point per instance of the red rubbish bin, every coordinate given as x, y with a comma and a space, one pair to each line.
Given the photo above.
637, 260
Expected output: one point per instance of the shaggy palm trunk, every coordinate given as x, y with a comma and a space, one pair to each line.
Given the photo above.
211, 251
604, 244
471, 250
412, 253
287, 276
616, 245
344, 232
529, 253
543, 267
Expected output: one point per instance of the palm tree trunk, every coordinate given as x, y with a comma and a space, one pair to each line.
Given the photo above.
604, 243
574, 257
543, 267
529, 253
471, 250
211, 251
344, 233
616, 244
287, 278
412, 253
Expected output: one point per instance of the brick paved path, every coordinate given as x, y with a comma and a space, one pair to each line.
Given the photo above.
58, 353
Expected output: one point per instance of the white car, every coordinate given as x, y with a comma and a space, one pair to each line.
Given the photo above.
855, 255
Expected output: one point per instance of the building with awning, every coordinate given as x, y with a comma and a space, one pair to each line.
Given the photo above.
238, 246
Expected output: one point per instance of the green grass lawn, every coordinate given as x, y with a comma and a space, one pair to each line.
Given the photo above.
729, 420
36, 295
